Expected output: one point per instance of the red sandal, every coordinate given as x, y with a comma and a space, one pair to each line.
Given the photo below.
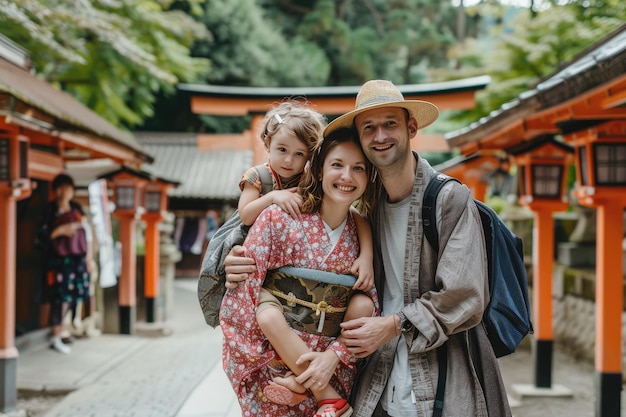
338, 408
282, 395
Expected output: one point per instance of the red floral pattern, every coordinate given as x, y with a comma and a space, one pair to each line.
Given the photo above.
277, 240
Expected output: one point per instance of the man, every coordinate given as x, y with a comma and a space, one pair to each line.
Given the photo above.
429, 299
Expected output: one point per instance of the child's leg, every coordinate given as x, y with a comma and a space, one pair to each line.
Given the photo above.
283, 339
287, 344
360, 305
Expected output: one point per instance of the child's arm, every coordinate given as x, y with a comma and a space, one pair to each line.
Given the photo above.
251, 204
363, 266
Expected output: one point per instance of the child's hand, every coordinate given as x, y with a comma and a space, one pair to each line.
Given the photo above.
288, 200
364, 270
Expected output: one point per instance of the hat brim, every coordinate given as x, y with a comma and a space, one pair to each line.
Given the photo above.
424, 112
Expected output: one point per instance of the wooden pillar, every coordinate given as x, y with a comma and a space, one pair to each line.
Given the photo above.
151, 267
128, 278
14, 185
609, 308
8, 352
543, 263
479, 190
543, 256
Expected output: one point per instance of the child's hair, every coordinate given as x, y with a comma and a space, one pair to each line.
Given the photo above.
297, 116
311, 186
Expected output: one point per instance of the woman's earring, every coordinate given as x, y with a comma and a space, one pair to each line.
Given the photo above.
374, 175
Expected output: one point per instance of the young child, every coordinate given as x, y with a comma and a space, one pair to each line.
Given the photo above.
291, 132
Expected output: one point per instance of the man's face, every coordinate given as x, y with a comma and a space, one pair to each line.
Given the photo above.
385, 135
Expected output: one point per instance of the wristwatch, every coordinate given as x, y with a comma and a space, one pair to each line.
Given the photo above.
405, 324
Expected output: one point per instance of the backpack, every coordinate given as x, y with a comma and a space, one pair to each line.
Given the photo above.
212, 280
507, 316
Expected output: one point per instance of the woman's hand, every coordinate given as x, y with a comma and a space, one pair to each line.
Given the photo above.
321, 368
66, 229
237, 267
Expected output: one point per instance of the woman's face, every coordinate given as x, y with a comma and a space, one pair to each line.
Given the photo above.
288, 155
344, 174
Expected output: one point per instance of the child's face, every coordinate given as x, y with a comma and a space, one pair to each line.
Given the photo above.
288, 155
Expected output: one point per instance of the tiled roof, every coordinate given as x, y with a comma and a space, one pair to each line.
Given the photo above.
68, 113
471, 83
595, 66
211, 174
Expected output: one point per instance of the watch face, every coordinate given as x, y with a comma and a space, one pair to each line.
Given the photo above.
406, 326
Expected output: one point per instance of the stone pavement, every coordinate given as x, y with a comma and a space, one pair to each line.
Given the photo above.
180, 374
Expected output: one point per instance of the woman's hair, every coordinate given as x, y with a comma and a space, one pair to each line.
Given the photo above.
62, 179
297, 116
310, 187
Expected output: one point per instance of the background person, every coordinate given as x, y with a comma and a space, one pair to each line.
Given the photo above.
65, 238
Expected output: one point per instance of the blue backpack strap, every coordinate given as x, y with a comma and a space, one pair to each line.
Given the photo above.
429, 208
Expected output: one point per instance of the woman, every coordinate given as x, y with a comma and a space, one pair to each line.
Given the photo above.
322, 238
64, 237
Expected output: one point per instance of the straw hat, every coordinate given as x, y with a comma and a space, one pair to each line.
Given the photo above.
375, 94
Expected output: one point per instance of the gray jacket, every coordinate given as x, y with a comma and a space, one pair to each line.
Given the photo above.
474, 385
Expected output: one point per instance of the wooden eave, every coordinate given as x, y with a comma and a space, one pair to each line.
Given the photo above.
544, 145
476, 166
238, 101
142, 174
52, 118
589, 91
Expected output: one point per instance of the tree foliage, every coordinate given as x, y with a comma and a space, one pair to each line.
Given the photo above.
521, 49
113, 55
247, 49
119, 56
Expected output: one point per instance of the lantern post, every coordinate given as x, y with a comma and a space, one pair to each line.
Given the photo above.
155, 205
601, 177
127, 187
542, 167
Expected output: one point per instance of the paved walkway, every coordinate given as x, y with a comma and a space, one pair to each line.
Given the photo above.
180, 375
124, 376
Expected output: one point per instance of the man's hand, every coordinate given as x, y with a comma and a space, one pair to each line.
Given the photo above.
365, 335
237, 267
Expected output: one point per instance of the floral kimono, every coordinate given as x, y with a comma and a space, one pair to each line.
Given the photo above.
276, 240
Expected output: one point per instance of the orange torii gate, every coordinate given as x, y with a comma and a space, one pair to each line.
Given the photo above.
256, 101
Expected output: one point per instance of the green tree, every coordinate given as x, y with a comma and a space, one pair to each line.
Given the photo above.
399, 40
114, 56
518, 51
247, 48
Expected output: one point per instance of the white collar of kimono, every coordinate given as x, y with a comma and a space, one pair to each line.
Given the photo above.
335, 234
